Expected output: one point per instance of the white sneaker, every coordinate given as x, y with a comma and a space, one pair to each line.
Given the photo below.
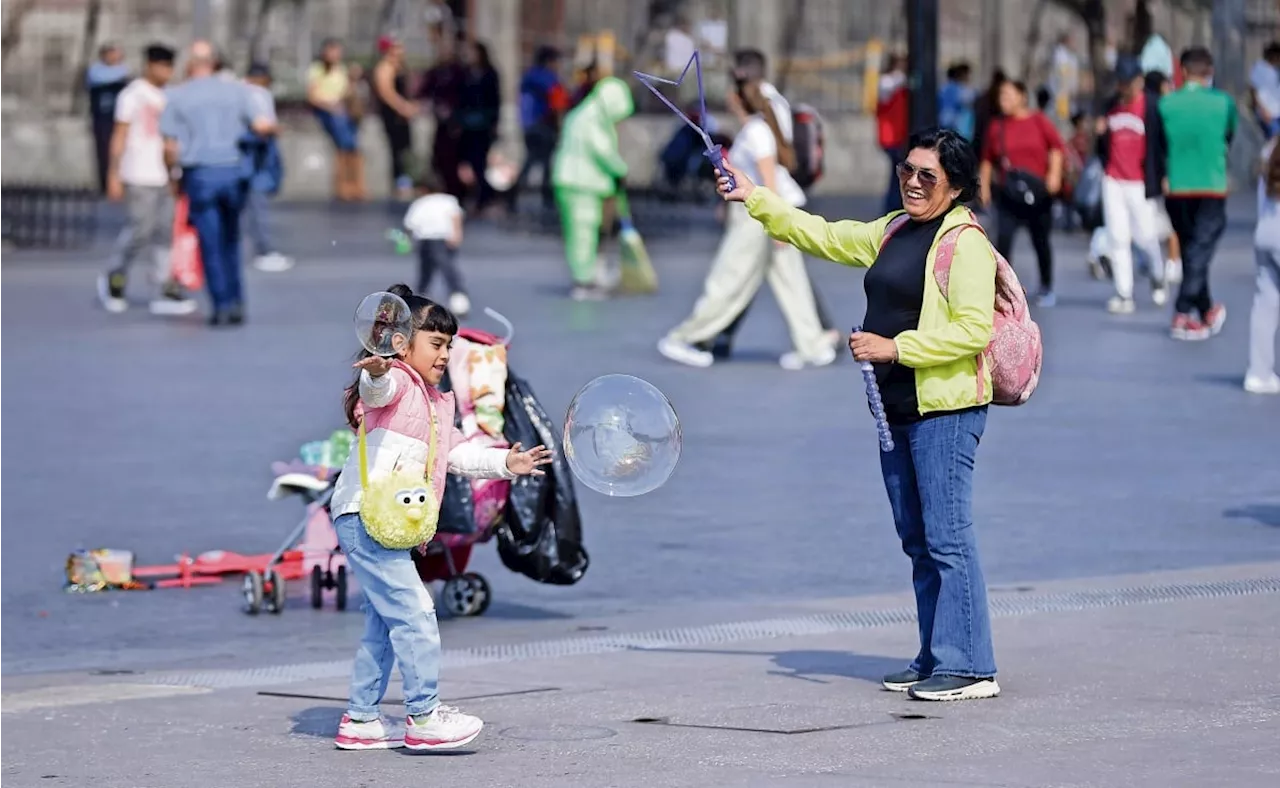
372, 735
684, 353
273, 263
589, 293
1257, 384
445, 729
459, 304
1117, 305
792, 360
111, 292
833, 337
1159, 295
1173, 272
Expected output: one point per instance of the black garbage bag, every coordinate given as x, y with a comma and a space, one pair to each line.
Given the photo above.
540, 535
457, 509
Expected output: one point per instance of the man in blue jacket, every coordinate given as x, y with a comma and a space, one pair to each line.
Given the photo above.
543, 101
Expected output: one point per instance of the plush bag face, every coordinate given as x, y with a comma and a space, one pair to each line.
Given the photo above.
399, 509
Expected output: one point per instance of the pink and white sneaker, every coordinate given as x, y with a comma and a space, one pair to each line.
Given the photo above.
445, 728
371, 735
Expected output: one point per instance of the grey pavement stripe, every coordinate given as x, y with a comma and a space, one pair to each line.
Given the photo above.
1002, 606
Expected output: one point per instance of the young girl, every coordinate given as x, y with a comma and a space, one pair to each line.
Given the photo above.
398, 400
1263, 322
435, 221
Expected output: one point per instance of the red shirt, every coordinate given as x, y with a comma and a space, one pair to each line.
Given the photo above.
1127, 140
1025, 142
892, 119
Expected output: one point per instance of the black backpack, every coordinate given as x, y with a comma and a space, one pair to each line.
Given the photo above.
809, 141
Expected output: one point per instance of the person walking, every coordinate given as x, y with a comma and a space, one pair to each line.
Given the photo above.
136, 174
1131, 147
203, 124
1261, 377
1021, 171
543, 102
1199, 123
747, 257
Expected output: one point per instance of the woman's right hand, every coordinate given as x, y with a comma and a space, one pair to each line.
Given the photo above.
376, 366
744, 185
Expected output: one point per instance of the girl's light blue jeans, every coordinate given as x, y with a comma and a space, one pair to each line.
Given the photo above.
399, 625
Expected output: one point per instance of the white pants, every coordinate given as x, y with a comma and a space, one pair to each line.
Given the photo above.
1131, 221
746, 259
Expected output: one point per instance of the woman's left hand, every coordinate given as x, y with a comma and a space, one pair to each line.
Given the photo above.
527, 463
872, 347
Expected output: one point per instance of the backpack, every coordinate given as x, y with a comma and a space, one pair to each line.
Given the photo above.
809, 141
1015, 352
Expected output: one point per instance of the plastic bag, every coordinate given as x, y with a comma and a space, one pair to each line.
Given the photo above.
184, 257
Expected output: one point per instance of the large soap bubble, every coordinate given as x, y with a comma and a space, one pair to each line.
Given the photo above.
621, 436
384, 324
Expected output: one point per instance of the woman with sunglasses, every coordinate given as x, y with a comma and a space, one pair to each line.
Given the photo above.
746, 257
924, 348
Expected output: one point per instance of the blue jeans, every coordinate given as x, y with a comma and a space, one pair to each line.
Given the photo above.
257, 215
929, 478
340, 127
217, 196
399, 625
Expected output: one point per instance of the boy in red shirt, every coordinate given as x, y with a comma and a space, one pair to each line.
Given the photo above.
1131, 146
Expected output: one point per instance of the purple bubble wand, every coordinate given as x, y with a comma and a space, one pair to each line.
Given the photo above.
714, 152
877, 405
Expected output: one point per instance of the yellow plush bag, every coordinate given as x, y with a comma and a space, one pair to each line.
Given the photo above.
399, 510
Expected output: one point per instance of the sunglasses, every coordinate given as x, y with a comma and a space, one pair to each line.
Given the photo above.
928, 178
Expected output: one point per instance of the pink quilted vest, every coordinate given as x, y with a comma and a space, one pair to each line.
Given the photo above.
1015, 352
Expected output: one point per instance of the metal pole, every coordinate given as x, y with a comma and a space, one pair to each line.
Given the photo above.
922, 62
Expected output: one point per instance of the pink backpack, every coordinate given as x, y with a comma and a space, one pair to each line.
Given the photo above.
1015, 352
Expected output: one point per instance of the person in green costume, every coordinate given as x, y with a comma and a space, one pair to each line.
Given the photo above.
589, 170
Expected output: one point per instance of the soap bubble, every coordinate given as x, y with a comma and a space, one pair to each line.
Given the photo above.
621, 436
384, 324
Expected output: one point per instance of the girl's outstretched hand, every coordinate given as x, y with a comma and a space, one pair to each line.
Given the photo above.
376, 366
527, 463
745, 186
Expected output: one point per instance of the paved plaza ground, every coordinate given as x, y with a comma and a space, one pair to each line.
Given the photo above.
732, 624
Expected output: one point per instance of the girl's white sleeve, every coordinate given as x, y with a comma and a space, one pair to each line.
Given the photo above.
381, 391
479, 462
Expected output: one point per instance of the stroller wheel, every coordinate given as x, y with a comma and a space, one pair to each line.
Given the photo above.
251, 587
275, 592
340, 589
462, 596
484, 594
317, 587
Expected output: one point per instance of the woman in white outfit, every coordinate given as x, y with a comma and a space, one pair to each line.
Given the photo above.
747, 256
1265, 318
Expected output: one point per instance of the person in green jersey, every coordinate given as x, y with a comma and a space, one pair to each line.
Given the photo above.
1199, 123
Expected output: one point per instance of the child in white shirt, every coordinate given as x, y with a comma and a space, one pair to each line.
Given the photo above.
435, 222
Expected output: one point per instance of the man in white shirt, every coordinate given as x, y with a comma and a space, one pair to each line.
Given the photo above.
137, 174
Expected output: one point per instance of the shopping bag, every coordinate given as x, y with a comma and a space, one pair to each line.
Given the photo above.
184, 257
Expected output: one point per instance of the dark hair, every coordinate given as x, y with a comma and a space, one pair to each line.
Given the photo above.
1154, 81
427, 316
482, 55
158, 53
1196, 61
754, 99
1271, 173
1018, 85
750, 64
959, 71
1043, 97
546, 55
956, 156
429, 181
1078, 116
1272, 50
259, 71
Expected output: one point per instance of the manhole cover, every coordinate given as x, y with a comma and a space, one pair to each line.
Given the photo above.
558, 733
